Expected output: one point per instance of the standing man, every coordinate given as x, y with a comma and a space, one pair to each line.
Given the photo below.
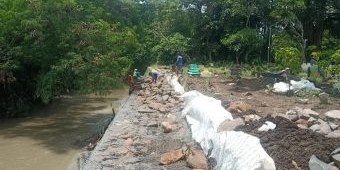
179, 63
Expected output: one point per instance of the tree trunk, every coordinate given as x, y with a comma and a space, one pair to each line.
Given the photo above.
247, 54
296, 32
209, 55
237, 58
208, 46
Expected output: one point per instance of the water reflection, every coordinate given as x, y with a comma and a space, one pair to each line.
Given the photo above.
50, 139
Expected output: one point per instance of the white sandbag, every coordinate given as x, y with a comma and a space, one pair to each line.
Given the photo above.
189, 96
230, 150
207, 110
202, 133
282, 87
303, 84
176, 86
239, 151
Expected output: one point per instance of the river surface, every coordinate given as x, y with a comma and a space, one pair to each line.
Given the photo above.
50, 139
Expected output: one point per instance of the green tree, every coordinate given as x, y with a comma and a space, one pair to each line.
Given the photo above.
243, 42
285, 13
170, 46
289, 57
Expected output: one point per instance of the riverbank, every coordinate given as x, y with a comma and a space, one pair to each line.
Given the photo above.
147, 133
53, 135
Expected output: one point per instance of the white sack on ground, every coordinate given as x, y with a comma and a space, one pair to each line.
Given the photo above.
175, 85
239, 151
268, 125
230, 150
303, 84
188, 96
201, 134
207, 110
282, 87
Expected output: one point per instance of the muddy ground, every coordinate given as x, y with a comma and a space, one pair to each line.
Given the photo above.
285, 144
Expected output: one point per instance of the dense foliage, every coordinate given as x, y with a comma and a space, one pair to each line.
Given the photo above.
51, 47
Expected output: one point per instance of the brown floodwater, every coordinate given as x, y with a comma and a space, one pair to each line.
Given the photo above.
50, 138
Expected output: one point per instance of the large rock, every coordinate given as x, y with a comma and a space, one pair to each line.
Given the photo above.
311, 113
334, 134
333, 125
229, 125
336, 159
197, 159
336, 151
172, 119
316, 164
128, 142
324, 98
147, 93
240, 106
302, 101
302, 122
312, 121
152, 123
159, 99
149, 100
333, 115
250, 118
302, 113
324, 127
315, 127
291, 114
165, 97
157, 106
173, 100
302, 126
171, 157
167, 127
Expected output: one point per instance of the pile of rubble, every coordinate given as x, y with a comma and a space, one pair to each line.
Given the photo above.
301, 136
309, 119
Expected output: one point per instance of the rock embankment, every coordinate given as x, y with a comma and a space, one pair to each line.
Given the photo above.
147, 133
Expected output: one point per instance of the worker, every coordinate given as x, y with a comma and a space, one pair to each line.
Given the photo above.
154, 74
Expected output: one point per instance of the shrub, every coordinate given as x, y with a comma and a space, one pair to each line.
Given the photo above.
289, 57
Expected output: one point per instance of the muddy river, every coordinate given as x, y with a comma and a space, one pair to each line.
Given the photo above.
51, 139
